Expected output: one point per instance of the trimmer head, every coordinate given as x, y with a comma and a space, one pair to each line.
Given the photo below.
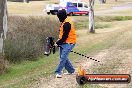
49, 45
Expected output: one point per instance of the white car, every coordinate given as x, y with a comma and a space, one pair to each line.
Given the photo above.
52, 8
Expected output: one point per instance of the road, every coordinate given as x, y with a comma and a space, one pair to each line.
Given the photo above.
115, 9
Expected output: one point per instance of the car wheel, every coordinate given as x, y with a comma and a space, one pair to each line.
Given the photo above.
71, 14
87, 13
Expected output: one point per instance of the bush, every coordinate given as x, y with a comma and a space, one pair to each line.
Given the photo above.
26, 37
3, 64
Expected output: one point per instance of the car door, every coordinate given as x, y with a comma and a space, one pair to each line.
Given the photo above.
71, 7
85, 7
80, 6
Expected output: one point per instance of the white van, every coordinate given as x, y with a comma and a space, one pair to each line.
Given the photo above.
72, 8
75, 7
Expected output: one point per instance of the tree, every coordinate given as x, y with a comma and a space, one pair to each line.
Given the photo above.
91, 16
3, 30
3, 23
26, 1
102, 1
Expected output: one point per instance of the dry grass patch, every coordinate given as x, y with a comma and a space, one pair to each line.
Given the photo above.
127, 12
32, 7
26, 36
36, 7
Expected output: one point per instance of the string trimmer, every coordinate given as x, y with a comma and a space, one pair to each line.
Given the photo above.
49, 47
82, 77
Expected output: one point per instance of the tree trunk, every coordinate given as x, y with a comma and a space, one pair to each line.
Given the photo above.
102, 1
3, 23
91, 16
26, 1
3, 30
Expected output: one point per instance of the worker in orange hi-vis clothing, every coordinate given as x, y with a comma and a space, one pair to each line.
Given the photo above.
66, 42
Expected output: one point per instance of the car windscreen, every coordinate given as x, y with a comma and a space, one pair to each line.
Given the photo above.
75, 4
80, 5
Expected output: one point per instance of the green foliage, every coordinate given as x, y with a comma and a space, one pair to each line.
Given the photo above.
83, 23
101, 25
27, 33
26, 37
31, 71
112, 18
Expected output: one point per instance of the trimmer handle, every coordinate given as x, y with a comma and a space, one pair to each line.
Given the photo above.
53, 49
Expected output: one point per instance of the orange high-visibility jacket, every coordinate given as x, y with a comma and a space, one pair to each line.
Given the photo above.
72, 34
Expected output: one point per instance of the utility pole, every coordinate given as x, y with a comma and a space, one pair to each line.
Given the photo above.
91, 16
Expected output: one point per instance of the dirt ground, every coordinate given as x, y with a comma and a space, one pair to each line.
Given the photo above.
69, 81
111, 55
115, 56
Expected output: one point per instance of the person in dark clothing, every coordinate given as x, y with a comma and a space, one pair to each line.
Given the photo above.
66, 41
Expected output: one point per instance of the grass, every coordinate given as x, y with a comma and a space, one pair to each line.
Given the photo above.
24, 74
31, 67
100, 21
113, 60
125, 12
109, 4
3, 64
31, 70
82, 23
28, 71
17, 71
32, 7
20, 75
36, 7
